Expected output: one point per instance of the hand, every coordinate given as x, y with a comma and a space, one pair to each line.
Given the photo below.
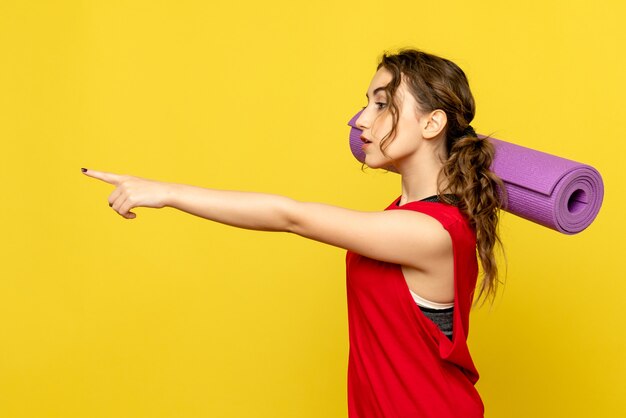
132, 192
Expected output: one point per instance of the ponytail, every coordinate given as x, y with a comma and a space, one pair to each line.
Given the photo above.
479, 195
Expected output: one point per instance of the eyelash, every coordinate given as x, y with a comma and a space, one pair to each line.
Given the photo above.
380, 105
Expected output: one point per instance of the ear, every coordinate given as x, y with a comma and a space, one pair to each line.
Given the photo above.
434, 123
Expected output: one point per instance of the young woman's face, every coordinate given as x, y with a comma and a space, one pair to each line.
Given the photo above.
376, 122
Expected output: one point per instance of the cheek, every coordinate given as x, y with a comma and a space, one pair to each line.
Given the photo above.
382, 126
407, 137
408, 127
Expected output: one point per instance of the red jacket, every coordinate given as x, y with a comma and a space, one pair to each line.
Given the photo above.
401, 365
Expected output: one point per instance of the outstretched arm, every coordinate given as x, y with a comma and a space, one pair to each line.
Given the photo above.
402, 237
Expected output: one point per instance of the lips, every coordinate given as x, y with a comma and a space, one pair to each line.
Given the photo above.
365, 140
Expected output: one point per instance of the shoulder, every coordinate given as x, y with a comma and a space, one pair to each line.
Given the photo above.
446, 215
453, 222
427, 230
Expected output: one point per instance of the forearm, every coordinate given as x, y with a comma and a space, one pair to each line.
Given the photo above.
259, 211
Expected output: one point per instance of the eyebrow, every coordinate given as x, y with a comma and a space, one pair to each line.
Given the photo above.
375, 91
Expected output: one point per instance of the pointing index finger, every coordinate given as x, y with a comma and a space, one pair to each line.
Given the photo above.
110, 178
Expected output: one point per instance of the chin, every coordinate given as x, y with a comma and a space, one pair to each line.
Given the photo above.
381, 165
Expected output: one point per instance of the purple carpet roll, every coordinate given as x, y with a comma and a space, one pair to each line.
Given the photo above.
557, 193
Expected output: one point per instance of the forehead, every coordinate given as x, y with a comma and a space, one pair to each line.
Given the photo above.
381, 79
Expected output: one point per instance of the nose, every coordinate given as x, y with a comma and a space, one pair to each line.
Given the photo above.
362, 122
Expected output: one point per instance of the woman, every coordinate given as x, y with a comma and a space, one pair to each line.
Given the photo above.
411, 268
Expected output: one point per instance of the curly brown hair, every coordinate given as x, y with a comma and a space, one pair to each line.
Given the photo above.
438, 83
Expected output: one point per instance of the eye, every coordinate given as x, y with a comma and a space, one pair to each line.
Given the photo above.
381, 105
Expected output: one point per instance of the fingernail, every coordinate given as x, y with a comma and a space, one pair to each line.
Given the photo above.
83, 169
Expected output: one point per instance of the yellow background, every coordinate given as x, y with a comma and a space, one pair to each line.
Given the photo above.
169, 315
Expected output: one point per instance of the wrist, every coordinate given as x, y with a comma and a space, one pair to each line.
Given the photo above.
172, 190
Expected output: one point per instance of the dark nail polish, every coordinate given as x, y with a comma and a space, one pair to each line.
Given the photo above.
83, 169
110, 205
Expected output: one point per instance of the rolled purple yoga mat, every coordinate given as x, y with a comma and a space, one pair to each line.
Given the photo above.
560, 194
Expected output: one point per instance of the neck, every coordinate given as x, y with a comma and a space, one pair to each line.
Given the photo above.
419, 177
